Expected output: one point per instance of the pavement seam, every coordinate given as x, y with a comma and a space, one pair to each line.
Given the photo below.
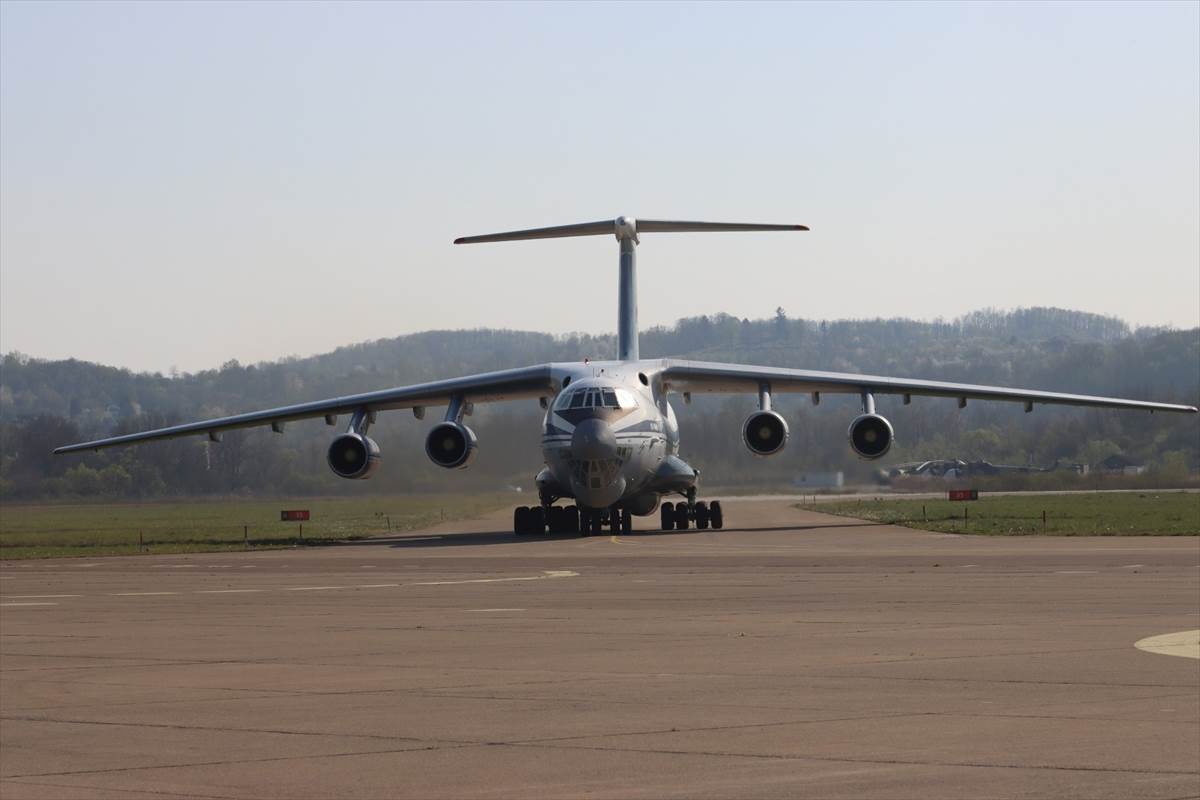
836, 759
183, 796
231, 761
220, 729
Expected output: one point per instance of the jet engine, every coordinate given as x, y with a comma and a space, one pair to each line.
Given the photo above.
765, 433
870, 436
354, 456
451, 445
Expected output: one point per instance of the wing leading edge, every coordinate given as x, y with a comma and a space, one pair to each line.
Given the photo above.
486, 387
705, 376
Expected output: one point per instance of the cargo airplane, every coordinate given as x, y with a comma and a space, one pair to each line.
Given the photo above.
610, 438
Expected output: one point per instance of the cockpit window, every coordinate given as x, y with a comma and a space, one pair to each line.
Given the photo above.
596, 398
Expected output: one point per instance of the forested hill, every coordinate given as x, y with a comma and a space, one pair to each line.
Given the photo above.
46, 403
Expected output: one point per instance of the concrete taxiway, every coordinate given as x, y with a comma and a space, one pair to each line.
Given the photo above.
793, 653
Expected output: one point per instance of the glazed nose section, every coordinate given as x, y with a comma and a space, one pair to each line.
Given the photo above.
593, 440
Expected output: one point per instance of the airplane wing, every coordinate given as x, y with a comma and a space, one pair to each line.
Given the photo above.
526, 382
705, 376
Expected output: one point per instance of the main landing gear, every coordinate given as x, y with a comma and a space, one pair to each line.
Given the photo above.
679, 516
540, 520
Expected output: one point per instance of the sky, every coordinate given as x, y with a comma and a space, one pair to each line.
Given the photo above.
182, 184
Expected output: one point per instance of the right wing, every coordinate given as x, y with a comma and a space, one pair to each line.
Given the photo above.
510, 384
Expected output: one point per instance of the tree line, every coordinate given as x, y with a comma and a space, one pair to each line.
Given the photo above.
44, 404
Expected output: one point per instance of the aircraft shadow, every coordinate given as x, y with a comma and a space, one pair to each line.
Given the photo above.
477, 538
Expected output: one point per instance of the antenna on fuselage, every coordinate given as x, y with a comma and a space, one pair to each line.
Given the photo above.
626, 229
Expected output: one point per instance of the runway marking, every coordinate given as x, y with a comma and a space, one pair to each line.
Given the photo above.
618, 540
1183, 643
550, 573
1132, 566
968, 566
1077, 572
229, 591
488, 610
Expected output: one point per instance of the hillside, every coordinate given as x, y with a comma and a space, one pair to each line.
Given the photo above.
46, 403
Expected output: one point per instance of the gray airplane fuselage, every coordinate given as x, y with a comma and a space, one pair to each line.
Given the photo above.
610, 439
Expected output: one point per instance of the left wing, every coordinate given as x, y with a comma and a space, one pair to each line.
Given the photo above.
706, 376
486, 387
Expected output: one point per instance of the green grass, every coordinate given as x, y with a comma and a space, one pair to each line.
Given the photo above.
1097, 514
47, 531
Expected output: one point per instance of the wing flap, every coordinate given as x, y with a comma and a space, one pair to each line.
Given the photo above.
487, 387
703, 376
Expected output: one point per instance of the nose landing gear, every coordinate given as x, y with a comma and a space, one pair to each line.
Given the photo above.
540, 520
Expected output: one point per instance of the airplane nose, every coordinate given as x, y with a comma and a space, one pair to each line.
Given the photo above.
593, 440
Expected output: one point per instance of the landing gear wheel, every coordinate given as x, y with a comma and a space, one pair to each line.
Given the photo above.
572, 519
681, 517
537, 521
520, 520
626, 521
702, 516
715, 516
668, 516
556, 519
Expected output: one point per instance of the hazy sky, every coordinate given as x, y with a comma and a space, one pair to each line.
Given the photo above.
182, 184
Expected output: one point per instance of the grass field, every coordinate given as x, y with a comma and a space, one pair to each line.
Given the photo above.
1096, 514
45, 531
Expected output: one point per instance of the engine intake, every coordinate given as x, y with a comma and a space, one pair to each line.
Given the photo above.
765, 433
870, 436
451, 445
354, 456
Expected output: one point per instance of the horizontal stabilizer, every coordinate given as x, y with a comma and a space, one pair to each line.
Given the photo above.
623, 226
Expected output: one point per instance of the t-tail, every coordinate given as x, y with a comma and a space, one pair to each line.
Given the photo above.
627, 230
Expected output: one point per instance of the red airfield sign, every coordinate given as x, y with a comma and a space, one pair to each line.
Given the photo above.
295, 515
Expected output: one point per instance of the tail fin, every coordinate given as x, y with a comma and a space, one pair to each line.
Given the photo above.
626, 230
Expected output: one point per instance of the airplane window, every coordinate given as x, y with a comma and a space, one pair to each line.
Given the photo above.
578, 398
593, 399
610, 399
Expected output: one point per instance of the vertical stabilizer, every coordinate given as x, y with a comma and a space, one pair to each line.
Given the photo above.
626, 230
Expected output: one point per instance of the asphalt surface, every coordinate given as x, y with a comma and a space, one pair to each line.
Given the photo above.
793, 653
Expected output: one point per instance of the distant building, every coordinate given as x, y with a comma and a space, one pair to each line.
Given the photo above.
1122, 465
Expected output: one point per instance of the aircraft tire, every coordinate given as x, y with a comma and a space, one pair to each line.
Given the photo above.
520, 519
715, 516
571, 516
537, 520
626, 521
702, 516
556, 519
681, 517
668, 516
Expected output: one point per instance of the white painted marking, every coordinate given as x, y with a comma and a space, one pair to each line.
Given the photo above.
366, 566
313, 588
377, 586
40, 596
489, 610
6, 605
141, 594
229, 591
247, 566
1077, 572
550, 573
1132, 566
85, 566
968, 566
1183, 643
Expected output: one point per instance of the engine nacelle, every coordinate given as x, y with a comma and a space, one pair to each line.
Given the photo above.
451, 445
765, 433
871, 436
354, 456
